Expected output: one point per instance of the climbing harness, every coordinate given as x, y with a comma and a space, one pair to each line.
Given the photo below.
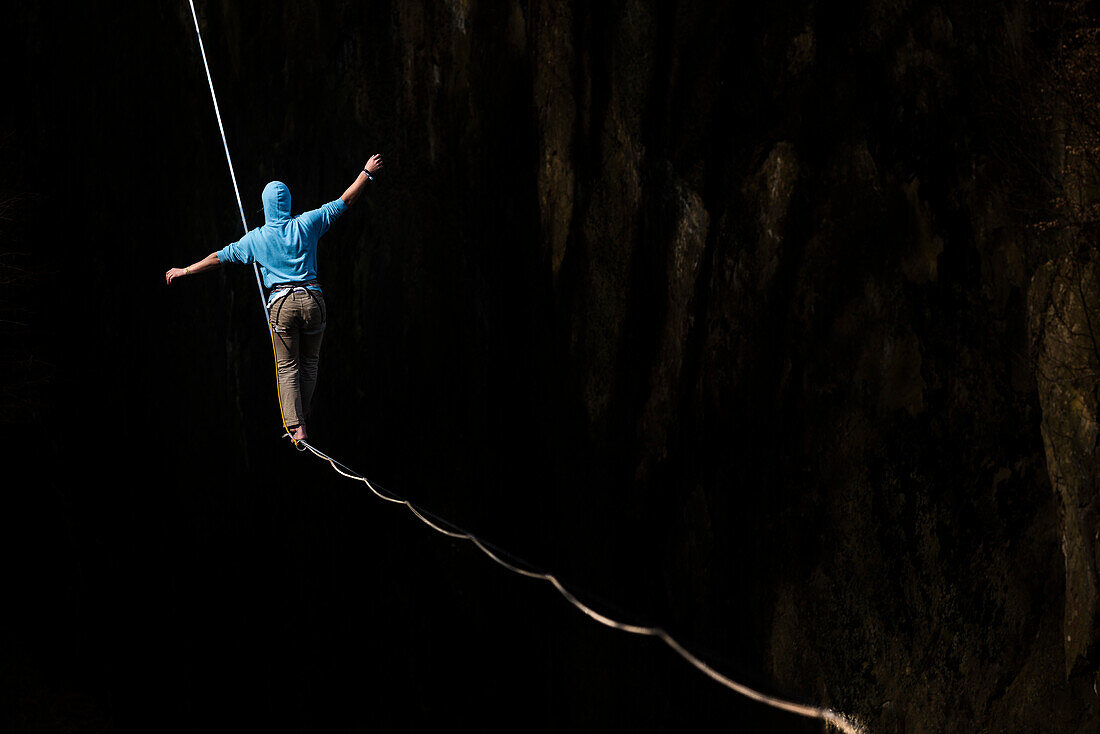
840, 721
279, 290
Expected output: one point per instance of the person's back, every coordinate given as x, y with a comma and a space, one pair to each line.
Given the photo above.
285, 246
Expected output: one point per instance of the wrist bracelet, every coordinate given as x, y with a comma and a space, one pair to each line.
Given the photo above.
369, 177
187, 270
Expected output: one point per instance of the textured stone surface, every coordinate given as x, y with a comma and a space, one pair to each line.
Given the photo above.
1063, 307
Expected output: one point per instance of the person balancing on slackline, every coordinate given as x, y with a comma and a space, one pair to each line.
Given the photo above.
286, 249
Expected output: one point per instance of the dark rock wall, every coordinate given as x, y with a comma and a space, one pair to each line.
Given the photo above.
732, 314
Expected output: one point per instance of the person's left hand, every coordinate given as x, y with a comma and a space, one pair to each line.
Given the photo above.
173, 274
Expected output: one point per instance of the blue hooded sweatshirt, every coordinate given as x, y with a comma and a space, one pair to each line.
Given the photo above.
285, 246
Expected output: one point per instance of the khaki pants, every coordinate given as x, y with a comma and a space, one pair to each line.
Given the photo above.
298, 320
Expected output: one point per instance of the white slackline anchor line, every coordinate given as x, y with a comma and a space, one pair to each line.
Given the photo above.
834, 718
228, 159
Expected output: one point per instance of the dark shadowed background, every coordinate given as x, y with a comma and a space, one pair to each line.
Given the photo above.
769, 323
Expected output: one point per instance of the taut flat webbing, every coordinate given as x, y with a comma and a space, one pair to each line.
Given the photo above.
836, 719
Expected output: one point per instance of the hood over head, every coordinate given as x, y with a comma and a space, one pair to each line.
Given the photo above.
276, 198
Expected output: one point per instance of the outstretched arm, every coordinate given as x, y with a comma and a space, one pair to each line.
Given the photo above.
374, 164
208, 262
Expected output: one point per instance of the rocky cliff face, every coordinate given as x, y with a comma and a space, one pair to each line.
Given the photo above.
737, 316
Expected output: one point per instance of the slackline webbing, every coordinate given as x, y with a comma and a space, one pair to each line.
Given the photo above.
836, 719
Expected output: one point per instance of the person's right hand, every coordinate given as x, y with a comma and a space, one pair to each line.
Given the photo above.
374, 164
